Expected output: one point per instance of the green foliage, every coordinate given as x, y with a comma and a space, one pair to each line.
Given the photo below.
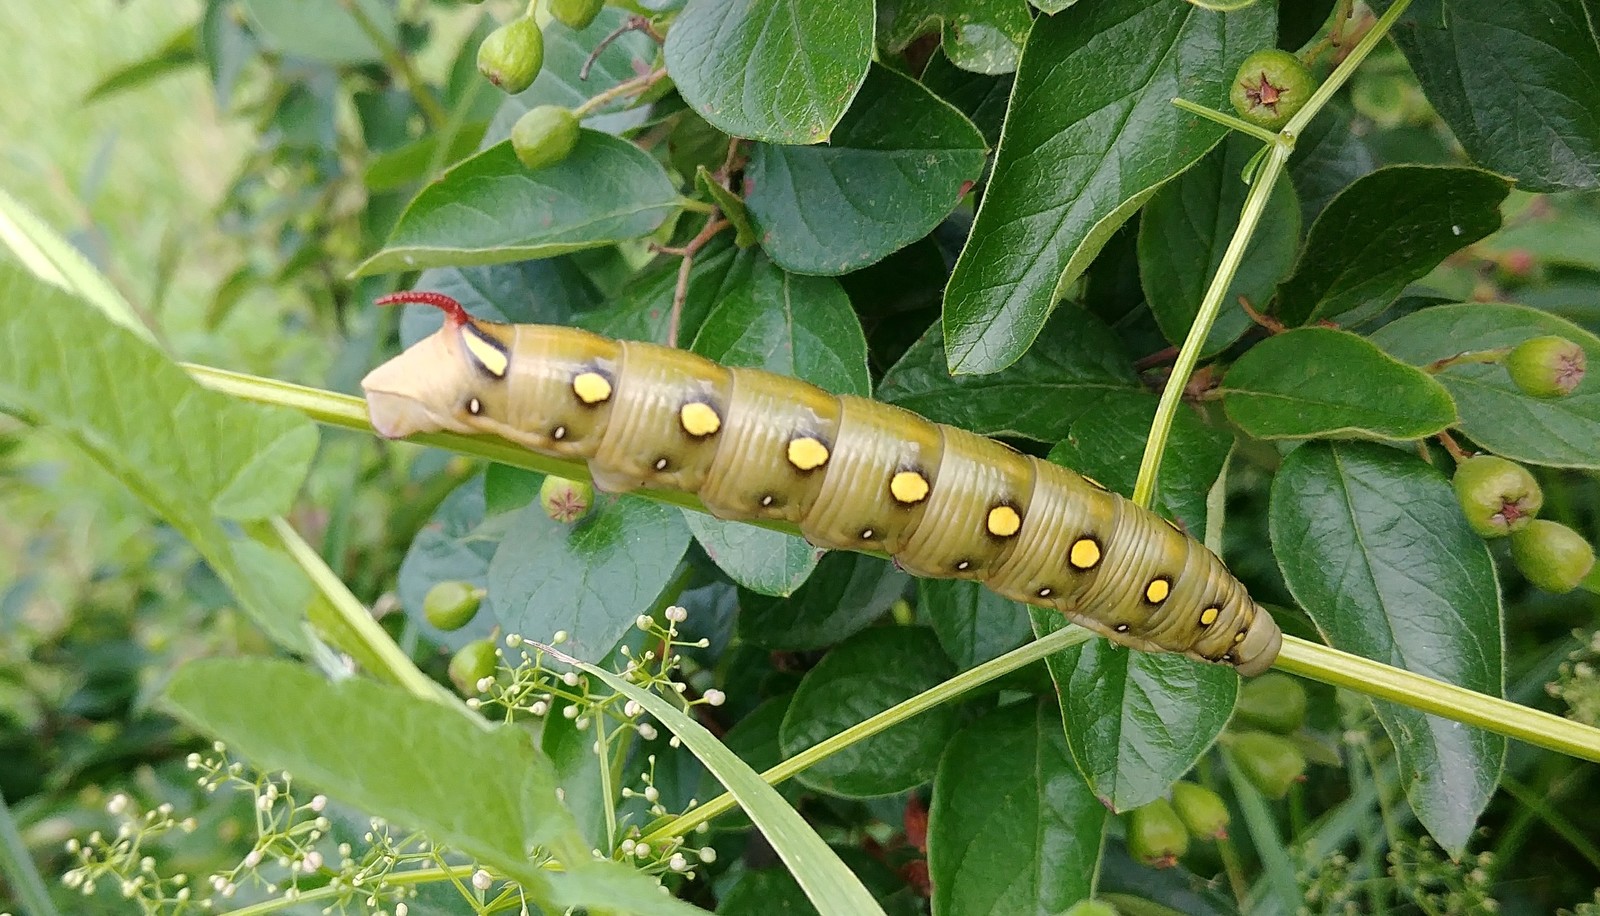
990, 212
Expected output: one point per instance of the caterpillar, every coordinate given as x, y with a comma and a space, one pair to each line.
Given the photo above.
851, 473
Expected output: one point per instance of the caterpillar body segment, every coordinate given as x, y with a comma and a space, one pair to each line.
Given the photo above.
852, 473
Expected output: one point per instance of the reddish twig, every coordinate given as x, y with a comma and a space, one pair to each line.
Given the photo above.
680, 293
1273, 325
631, 24
1158, 358
1453, 447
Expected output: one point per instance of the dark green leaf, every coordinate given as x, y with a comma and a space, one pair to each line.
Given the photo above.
755, 739
847, 593
813, 57
1302, 21
1013, 827
449, 548
764, 561
792, 325
322, 31
1328, 156
1091, 133
1327, 382
1188, 224
1108, 444
643, 311
1519, 84
577, 770
400, 168
1413, 587
491, 208
1384, 231
1136, 721
896, 165
1077, 364
981, 98
1557, 431
565, 53
983, 36
193, 456
591, 578
530, 292
732, 206
858, 679
177, 52
973, 624
762, 891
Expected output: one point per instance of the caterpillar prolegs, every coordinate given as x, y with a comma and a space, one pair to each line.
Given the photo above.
852, 473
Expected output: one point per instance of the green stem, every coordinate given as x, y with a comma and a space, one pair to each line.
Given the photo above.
938, 696
18, 868
1470, 356
626, 87
392, 879
1227, 120
1299, 656
1553, 818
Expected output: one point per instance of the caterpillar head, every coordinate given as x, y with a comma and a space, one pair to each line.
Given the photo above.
444, 381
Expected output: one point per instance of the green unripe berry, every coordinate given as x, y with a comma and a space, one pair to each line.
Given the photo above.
1497, 496
1202, 811
474, 662
575, 14
451, 605
1156, 836
544, 136
1552, 556
1547, 367
1271, 762
1270, 87
565, 500
512, 55
1274, 702
1091, 908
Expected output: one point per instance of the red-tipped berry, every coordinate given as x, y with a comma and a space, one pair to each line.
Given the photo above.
1497, 496
1270, 87
565, 500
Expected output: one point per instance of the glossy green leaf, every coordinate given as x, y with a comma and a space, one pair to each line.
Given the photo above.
846, 594
1327, 382
1328, 157
859, 678
813, 57
980, 97
1078, 363
754, 739
792, 325
1382, 232
831, 886
643, 310
764, 561
973, 624
491, 208
550, 291
896, 165
1519, 84
1184, 230
983, 36
566, 52
592, 578
1013, 828
322, 31
1413, 587
1108, 443
760, 891
1562, 432
134, 413
1090, 134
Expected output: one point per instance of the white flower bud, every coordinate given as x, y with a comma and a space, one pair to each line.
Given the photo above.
318, 803
632, 708
678, 862
708, 855
643, 622
482, 880
677, 614
716, 697
570, 712
252, 858
627, 847
559, 638
570, 678
647, 731
118, 804
651, 794
311, 862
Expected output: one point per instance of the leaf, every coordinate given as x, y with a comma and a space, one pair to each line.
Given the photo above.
1108, 444
1560, 432
180, 50
1409, 585
134, 413
551, 291
1327, 382
643, 310
764, 561
483, 791
983, 36
592, 578
1012, 828
1186, 227
1078, 363
732, 205
1328, 157
491, 208
895, 167
1091, 133
325, 32
847, 593
856, 680
792, 325
1382, 232
973, 624
981, 98
1518, 84
813, 57
832, 887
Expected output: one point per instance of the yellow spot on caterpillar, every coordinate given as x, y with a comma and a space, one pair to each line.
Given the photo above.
1092, 482
699, 419
591, 387
1238, 637
489, 356
807, 453
1085, 553
909, 487
1157, 591
1004, 521
1209, 616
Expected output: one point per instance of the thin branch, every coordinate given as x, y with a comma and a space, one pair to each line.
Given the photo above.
631, 24
680, 293
432, 111
637, 85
